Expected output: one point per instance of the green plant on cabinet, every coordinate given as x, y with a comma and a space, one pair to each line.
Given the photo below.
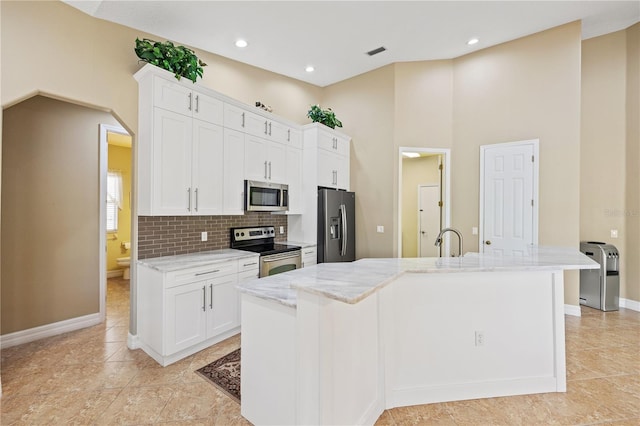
323, 116
179, 60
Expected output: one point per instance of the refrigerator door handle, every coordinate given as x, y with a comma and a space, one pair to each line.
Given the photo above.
343, 219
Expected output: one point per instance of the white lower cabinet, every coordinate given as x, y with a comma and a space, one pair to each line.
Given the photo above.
182, 312
309, 256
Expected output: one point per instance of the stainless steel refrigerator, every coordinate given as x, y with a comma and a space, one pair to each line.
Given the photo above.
336, 226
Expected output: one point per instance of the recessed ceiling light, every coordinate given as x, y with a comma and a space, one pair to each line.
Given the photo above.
472, 41
411, 154
309, 69
241, 43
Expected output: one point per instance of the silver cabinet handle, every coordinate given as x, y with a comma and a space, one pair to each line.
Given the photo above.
249, 264
269, 169
211, 296
288, 135
204, 298
265, 169
265, 127
308, 252
196, 199
190, 100
208, 272
197, 103
243, 119
269, 128
189, 199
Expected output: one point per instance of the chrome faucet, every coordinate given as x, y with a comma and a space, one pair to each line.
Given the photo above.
445, 230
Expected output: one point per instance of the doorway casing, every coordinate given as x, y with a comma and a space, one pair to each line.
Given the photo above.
446, 182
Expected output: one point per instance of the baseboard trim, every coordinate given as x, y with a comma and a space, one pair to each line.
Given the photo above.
630, 304
572, 310
48, 330
115, 273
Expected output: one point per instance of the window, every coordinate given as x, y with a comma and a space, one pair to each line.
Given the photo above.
114, 200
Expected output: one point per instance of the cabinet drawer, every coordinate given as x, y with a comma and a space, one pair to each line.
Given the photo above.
201, 273
248, 275
249, 264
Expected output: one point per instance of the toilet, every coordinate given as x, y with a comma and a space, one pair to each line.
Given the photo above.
125, 263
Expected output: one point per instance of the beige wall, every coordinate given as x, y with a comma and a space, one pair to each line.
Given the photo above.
120, 160
524, 89
603, 143
415, 171
632, 211
93, 63
365, 105
50, 233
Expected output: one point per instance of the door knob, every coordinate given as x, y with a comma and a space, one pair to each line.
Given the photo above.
488, 242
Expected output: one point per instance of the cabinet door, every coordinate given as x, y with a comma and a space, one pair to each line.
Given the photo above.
257, 125
327, 141
235, 117
327, 169
342, 172
185, 316
255, 158
222, 312
233, 191
294, 179
171, 163
309, 256
278, 132
294, 138
172, 96
207, 108
277, 162
207, 168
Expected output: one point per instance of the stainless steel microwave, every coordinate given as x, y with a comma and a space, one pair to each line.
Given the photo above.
265, 196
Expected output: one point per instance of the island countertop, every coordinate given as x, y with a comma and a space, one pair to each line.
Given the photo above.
354, 281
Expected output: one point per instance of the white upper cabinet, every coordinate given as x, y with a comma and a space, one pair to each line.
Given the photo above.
265, 160
233, 196
173, 96
207, 168
332, 156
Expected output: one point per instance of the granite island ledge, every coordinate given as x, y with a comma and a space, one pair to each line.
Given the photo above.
339, 343
354, 281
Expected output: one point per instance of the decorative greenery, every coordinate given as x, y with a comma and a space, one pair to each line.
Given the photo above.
324, 116
180, 60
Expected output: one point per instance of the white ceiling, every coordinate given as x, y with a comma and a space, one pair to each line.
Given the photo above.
334, 36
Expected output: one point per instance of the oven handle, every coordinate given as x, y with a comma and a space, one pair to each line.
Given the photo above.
281, 256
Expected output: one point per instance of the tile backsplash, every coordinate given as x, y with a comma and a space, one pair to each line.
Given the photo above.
169, 235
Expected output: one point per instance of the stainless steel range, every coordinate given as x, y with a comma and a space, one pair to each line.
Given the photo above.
274, 257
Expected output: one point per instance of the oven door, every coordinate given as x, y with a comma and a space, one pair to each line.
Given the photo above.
280, 262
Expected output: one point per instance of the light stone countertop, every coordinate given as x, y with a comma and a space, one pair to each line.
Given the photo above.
193, 260
353, 282
300, 244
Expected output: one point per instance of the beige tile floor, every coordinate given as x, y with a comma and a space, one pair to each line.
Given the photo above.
90, 377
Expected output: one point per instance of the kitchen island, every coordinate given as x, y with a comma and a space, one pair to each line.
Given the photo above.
339, 343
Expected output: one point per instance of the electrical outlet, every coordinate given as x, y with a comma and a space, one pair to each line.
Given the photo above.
380, 229
614, 233
282, 229
479, 338
203, 236
474, 230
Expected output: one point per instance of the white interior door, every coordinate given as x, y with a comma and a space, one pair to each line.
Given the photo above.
508, 209
428, 219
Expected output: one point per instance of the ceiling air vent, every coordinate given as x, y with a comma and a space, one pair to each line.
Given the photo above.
376, 51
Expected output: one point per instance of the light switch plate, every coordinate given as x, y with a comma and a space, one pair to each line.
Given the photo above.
380, 229
474, 230
203, 236
282, 229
